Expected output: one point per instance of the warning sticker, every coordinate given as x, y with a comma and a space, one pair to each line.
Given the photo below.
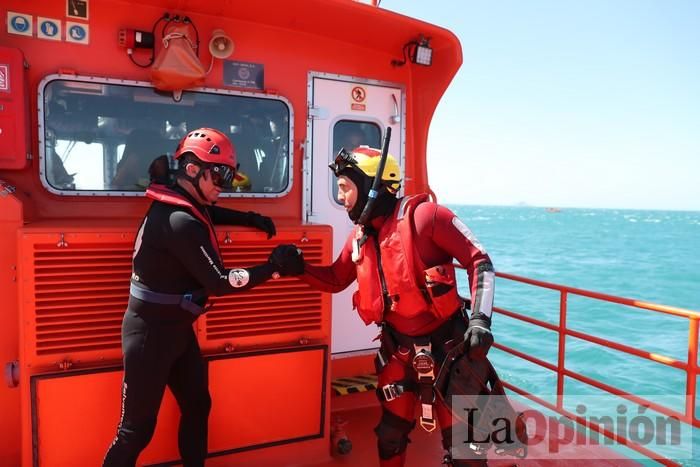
18, 23
77, 33
4, 77
48, 28
361, 107
77, 9
244, 74
358, 94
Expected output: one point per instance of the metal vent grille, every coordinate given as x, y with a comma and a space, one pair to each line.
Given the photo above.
80, 294
285, 305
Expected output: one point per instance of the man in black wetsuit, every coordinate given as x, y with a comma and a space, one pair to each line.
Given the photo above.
176, 266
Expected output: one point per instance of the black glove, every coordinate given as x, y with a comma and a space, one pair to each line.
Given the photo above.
263, 223
287, 260
478, 338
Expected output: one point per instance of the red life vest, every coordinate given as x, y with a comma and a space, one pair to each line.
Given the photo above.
165, 195
410, 286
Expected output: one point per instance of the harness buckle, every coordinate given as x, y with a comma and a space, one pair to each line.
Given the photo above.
187, 297
423, 362
390, 392
478, 449
427, 420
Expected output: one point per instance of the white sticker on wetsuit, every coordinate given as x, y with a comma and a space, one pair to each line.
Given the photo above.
238, 277
355, 251
356, 248
467, 233
139, 238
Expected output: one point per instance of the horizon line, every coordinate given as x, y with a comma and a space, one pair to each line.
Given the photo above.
549, 206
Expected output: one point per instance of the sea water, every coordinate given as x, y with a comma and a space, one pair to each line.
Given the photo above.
650, 256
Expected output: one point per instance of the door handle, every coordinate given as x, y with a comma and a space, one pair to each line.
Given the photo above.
396, 118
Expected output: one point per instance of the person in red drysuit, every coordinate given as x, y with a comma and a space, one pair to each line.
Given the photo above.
402, 258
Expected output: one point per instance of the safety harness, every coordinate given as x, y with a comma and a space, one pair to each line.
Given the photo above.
427, 352
184, 300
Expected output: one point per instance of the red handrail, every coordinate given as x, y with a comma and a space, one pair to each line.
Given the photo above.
593, 426
690, 366
671, 310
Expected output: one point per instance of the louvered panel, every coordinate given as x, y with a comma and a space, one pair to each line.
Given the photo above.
269, 316
63, 282
76, 320
56, 308
273, 303
290, 288
94, 290
286, 308
80, 294
81, 345
241, 255
256, 312
75, 296
259, 314
78, 297
60, 275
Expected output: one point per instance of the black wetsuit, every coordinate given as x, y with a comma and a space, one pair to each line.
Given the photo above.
173, 253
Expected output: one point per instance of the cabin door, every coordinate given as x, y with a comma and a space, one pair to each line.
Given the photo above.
346, 112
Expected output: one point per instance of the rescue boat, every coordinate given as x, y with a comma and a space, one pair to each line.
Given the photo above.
89, 96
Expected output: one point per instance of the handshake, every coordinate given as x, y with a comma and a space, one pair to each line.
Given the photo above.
287, 260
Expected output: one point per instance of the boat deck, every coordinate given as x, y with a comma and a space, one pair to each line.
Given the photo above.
361, 412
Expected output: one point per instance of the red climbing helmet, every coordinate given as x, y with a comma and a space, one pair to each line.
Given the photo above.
214, 149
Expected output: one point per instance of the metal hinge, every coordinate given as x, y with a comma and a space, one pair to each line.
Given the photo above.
319, 113
6, 188
12, 374
66, 364
396, 118
62, 243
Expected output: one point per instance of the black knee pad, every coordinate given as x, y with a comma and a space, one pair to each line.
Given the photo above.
392, 434
448, 460
469, 463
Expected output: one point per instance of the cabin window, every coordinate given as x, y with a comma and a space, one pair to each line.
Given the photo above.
350, 134
101, 137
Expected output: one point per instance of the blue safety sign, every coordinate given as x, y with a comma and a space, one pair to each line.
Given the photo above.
77, 32
18, 23
48, 28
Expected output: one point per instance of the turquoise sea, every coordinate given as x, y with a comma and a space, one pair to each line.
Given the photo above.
652, 256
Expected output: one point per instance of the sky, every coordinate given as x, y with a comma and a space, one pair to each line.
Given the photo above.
591, 103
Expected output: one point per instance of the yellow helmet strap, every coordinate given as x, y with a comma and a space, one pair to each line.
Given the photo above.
374, 191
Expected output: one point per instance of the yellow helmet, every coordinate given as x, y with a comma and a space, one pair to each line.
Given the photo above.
241, 182
366, 160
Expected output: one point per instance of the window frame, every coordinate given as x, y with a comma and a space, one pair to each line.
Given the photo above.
145, 84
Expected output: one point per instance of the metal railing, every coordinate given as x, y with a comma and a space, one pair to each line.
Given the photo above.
690, 366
